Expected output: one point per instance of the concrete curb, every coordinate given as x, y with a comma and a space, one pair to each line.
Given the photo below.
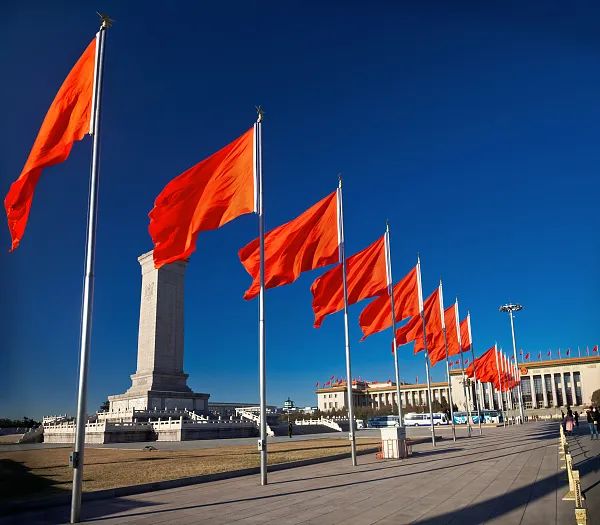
117, 492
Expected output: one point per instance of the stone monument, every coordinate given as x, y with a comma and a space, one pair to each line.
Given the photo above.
159, 381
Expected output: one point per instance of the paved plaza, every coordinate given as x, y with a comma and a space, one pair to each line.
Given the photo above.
508, 476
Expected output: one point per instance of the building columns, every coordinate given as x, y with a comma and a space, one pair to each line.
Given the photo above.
554, 396
564, 387
544, 391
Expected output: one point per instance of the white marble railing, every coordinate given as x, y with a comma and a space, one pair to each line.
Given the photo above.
323, 421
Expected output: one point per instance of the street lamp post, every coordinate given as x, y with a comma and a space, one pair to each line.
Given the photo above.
510, 308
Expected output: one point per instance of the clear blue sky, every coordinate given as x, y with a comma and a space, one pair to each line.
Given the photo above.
474, 129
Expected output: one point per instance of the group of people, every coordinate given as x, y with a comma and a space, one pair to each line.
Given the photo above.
571, 420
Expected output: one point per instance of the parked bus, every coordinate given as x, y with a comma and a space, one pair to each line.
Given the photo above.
488, 416
383, 421
412, 419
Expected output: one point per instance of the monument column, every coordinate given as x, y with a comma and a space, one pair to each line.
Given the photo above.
159, 380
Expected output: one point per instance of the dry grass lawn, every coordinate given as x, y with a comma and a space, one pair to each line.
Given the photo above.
43, 472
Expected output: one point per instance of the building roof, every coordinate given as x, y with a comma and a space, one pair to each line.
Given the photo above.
549, 363
380, 387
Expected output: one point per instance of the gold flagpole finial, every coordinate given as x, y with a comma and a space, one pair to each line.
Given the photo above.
260, 112
105, 20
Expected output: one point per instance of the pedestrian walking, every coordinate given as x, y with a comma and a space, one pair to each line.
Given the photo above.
290, 429
576, 417
591, 424
596, 416
569, 424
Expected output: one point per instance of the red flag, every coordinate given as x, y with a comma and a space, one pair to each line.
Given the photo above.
67, 120
527, 356
466, 362
465, 341
376, 316
484, 366
549, 353
451, 335
307, 242
413, 330
595, 349
365, 277
457, 362
204, 197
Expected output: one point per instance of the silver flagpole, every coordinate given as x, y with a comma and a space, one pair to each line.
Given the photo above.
462, 366
499, 390
447, 364
262, 357
477, 393
76, 459
390, 283
422, 313
342, 250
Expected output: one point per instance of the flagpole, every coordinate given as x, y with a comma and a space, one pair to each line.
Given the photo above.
477, 397
499, 390
422, 312
390, 283
262, 442
462, 366
76, 458
342, 252
441, 296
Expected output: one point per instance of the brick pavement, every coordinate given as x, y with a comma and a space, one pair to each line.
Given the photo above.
508, 476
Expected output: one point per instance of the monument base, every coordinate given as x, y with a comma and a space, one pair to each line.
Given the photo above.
160, 400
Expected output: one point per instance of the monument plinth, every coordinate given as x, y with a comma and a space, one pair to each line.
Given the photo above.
159, 381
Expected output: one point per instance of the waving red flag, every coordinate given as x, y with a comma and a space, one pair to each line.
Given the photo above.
413, 330
376, 316
484, 366
67, 120
365, 277
595, 349
307, 242
204, 197
436, 345
465, 340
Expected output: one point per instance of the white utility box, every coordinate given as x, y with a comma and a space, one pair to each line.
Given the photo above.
393, 443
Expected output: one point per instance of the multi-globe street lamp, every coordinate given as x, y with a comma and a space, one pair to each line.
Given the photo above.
510, 308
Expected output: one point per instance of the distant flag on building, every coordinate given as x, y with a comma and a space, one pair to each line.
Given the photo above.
305, 243
540, 355
317, 384
68, 120
457, 362
451, 364
527, 356
549, 353
366, 276
559, 353
568, 352
595, 349
466, 362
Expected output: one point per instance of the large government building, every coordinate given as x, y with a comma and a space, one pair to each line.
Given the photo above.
545, 385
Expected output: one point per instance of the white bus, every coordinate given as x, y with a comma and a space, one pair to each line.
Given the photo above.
412, 419
383, 421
